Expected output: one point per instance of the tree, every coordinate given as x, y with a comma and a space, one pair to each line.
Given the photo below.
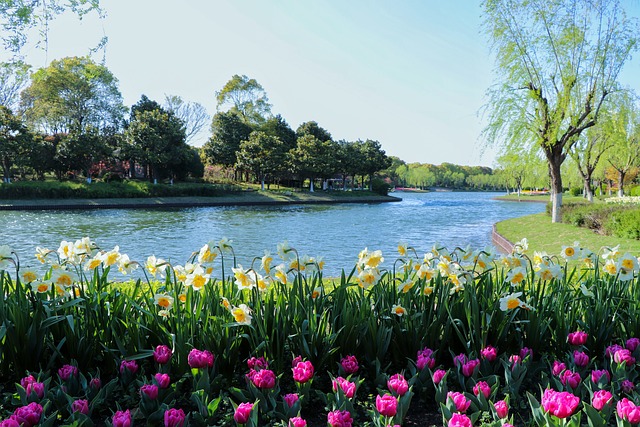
623, 127
587, 152
13, 135
313, 158
72, 95
246, 97
157, 140
228, 130
349, 161
312, 128
193, 114
80, 151
19, 17
374, 159
558, 62
278, 127
14, 76
262, 154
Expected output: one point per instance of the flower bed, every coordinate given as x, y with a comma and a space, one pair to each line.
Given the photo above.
477, 338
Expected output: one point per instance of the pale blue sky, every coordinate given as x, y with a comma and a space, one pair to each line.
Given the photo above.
410, 74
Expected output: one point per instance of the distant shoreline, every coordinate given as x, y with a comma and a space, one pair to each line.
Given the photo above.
242, 199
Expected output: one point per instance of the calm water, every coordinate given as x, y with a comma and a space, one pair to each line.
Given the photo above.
335, 232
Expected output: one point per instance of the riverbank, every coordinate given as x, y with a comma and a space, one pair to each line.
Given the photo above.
240, 198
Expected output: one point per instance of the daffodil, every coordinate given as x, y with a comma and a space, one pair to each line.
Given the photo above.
611, 267
521, 247
180, 273
155, 266
316, 292
84, 247
5, 257
402, 249
206, 255
540, 258
368, 277
571, 253
66, 251
28, 276
263, 283
406, 286
125, 265
197, 279
164, 314
544, 272
182, 297
62, 277
285, 252
374, 259
112, 257
266, 261
516, 275
242, 314
163, 300
243, 279
511, 302
225, 244
426, 272
427, 290
628, 262
93, 263
444, 266
281, 274
398, 310
225, 303
458, 281
611, 253
41, 287
41, 254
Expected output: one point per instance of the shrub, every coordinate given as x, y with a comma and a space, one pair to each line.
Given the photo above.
635, 191
380, 187
575, 191
624, 223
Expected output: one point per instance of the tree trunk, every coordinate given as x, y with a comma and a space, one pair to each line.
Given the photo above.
555, 162
588, 192
311, 185
621, 175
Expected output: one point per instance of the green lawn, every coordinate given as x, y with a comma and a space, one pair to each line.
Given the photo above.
545, 236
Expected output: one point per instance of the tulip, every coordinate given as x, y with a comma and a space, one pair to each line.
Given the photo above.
174, 417
438, 376
9, 423
243, 412
163, 380
558, 367
347, 387
128, 366
398, 385
570, 378
459, 420
291, 399
560, 404
264, 379
80, 405
469, 367
460, 359
597, 375
200, 359
162, 354
459, 400
577, 338
601, 398
502, 409
580, 358
303, 372
150, 391
387, 405
26, 381
628, 411
95, 384
37, 388
482, 387
121, 419
624, 356
632, 344
349, 364
489, 353
526, 351
28, 416
67, 371
297, 422
627, 386
611, 350
339, 419
257, 363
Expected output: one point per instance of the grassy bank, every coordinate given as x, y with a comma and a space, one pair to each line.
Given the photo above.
545, 236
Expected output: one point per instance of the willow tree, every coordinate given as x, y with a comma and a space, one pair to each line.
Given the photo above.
557, 61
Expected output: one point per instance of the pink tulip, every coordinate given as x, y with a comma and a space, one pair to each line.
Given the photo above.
150, 391
425, 358
482, 387
438, 376
95, 383
601, 398
459, 420
297, 422
577, 338
200, 359
398, 385
597, 375
347, 387
295, 361
559, 404
570, 378
502, 409
558, 367
627, 386
580, 358
163, 380
349, 365
28, 416
80, 405
387, 405
291, 399
489, 353
303, 372
162, 354
128, 366
624, 356
469, 367
9, 423
67, 371
121, 419
339, 419
611, 350
526, 351
26, 381
257, 363
459, 400
460, 359
264, 379
628, 411
37, 388
174, 417
243, 412
632, 344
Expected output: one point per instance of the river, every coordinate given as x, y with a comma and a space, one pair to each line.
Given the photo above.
337, 233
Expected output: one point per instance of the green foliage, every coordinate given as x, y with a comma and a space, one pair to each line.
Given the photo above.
247, 98
228, 131
379, 186
575, 191
624, 223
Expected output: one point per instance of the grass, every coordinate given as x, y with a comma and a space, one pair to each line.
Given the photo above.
539, 198
546, 236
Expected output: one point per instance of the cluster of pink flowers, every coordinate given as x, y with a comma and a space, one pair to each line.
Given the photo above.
339, 419
347, 387
459, 400
262, 378
560, 404
31, 385
425, 358
27, 416
628, 411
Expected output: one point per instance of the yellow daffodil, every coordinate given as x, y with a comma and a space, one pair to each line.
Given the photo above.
164, 314
521, 247
180, 273
182, 297
406, 286
84, 247
611, 267
225, 244
425, 272
93, 263
402, 249
368, 277
225, 303
163, 300
571, 253
155, 266
265, 262
628, 262
374, 259
244, 280
125, 265
444, 266
458, 281
206, 255
281, 274
62, 277
41, 287
540, 258
428, 290
611, 253
516, 275
545, 273
28, 276
66, 250
285, 252
197, 279
511, 302
112, 257
41, 254
263, 283
316, 292
242, 314
398, 310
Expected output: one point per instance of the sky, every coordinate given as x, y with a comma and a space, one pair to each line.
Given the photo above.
411, 74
